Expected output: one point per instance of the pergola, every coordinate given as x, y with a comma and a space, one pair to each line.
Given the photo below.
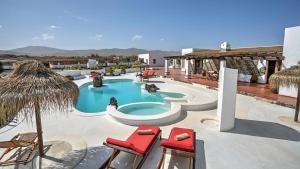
254, 53
269, 53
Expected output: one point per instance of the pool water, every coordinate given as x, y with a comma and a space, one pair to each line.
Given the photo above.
145, 109
93, 100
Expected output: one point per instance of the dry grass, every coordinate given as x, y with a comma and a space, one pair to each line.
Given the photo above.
31, 81
288, 77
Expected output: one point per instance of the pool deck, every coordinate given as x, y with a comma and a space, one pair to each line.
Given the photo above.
260, 91
260, 139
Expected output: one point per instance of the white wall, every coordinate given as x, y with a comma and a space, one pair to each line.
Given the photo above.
291, 46
186, 51
149, 57
59, 66
145, 57
91, 63
291, 52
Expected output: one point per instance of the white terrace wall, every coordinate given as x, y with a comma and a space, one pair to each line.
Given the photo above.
144, 57
291, 52
153, 59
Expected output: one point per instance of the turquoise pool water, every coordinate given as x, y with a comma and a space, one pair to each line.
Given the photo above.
145, 109
93, 100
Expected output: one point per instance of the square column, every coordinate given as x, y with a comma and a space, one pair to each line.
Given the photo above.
227, 98
187, 66
167, 67
182, 65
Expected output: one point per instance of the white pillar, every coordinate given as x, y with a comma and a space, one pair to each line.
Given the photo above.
167, 67
182, 65
187, 65
222, 64
174, 63
227, 98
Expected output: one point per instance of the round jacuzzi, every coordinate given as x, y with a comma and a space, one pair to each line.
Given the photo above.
145, 108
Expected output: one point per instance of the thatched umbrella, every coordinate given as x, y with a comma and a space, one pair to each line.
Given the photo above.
289, 78
31, 87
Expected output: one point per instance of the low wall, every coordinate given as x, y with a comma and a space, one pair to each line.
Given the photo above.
78, 72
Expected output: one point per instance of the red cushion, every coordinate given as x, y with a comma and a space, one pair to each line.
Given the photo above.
141, 143
145, 73
186, 144
119, 143
151, 73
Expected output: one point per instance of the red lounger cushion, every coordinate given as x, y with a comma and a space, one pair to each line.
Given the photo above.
136, 142
141, 143
120, 143
145, 73
151, 73
186, 144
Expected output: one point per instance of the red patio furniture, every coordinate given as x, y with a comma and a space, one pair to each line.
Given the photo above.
137, 144
150, 74
144, 73
185, 147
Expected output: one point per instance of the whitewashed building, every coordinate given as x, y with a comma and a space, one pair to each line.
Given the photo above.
291, 52
92, 63
153, 59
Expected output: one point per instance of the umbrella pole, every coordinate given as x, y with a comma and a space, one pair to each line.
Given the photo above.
297, 105
39, 127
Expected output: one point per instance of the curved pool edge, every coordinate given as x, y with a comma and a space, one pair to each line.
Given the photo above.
157, 119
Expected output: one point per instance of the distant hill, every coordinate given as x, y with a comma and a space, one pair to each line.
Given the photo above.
48, 51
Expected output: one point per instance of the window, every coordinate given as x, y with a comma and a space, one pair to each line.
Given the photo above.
154, 61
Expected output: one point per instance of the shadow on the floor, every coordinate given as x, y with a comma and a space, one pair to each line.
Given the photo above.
95, 157
265, 129
200, 156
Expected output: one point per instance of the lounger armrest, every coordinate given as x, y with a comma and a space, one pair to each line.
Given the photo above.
120, 143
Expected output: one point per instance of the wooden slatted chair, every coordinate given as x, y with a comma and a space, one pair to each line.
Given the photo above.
20, 142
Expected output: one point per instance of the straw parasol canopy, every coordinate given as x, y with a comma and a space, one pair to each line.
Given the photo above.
31, 87
289, 77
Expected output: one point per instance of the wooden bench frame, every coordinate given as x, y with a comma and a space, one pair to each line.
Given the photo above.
178, 152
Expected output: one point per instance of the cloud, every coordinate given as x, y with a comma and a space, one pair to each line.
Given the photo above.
1, 26
136, 37
162, 39
51, 27
75, 16
46, 36
97, 37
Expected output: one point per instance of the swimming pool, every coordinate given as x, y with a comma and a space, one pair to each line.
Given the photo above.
92, 100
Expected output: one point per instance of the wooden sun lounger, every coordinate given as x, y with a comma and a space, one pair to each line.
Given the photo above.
133, 139
19, 142
185, 148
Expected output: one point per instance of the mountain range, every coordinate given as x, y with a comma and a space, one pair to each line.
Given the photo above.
49, 51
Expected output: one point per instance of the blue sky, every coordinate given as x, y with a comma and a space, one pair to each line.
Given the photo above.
149, 24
